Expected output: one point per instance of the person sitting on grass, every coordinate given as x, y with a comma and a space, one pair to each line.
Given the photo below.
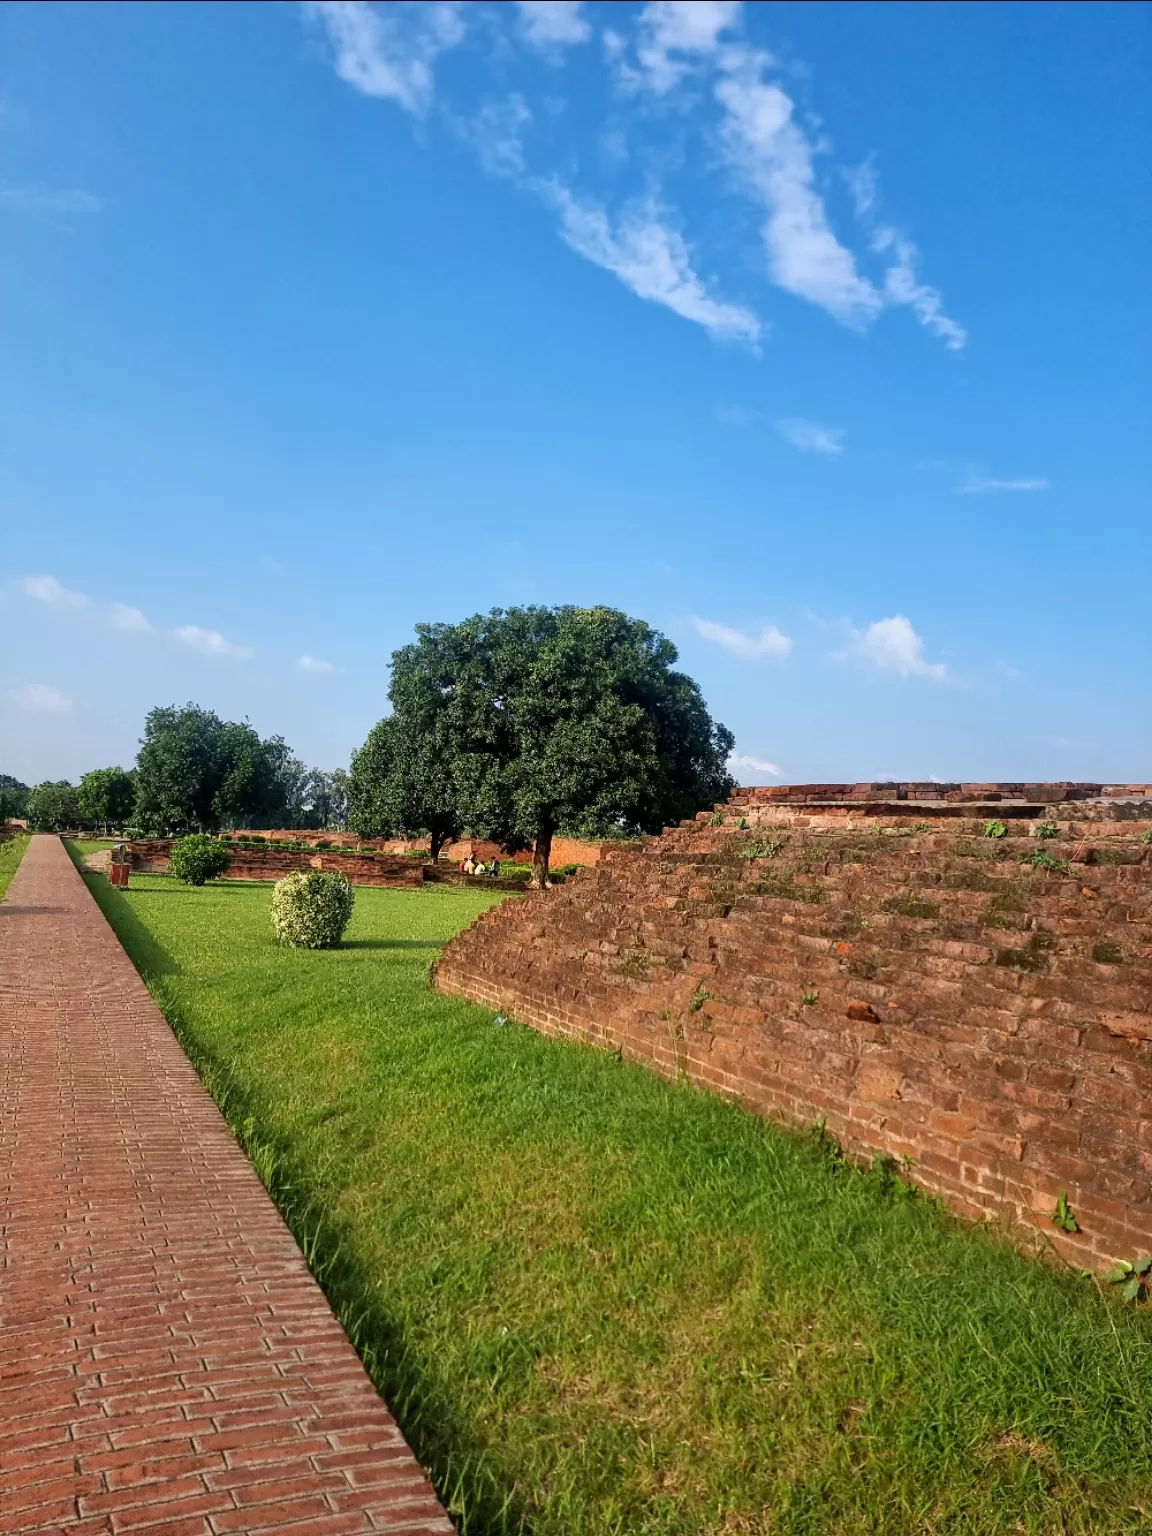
494, 869
469, 866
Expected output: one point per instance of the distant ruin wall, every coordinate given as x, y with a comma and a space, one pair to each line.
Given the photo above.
914, 983
150, 856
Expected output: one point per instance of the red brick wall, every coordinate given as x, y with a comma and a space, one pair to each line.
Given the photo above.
929, 994
150, 855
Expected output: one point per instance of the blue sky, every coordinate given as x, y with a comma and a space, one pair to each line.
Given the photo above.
816, 335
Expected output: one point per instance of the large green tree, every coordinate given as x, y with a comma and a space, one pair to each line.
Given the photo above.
196, 770
561, 720
401, 782
13, 797
106, 797
52, 806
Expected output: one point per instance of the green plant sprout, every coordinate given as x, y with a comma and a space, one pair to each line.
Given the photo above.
1131, 1277
1064, 1216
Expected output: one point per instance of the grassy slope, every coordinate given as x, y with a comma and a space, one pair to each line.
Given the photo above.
612, 1305
11, 852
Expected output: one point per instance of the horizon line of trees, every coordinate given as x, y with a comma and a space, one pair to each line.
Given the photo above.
516, 725
194, 771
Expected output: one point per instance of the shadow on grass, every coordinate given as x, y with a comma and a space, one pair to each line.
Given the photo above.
151, 959
390, 944
478, 1499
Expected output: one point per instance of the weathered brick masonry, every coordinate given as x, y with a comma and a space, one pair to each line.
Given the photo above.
868, 955
150, 856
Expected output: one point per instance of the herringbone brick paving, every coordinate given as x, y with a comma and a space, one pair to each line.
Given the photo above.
167, 1362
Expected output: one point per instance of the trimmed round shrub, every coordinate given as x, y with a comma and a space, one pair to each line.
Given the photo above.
311, 910
197, 858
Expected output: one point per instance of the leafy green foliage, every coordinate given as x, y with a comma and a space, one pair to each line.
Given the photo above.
195, 770
53, 806
311, 910
1064, 1216
106, 797
1046, 829
1133, 1277
1147, 838
995, 829
197, 858
1044, 858
561, 719
762, 847
13, 798
403, 782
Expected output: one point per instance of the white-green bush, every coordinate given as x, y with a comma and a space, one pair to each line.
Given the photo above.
311, 911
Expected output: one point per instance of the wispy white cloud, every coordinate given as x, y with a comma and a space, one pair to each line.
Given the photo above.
774, 158
50, 201
861, 180
389, 52
128, 618
46, 589
551, 25
769, 642
209, 642
987, 485
739, 763
314, 664
495, 135
902, 286
648, 256
892, 645
673, 39
811, 437
125, 616
39, 699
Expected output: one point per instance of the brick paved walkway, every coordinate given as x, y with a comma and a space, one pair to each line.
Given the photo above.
167, 1363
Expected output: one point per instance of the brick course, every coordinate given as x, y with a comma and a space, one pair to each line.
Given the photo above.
882, 964
150, 856
167, 1362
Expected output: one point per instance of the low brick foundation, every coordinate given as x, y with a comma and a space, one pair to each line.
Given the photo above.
150, 856
886, 966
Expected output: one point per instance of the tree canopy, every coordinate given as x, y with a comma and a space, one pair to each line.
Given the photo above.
13, 797
544, 720
402, 783
106, 797
53, 807
196, 770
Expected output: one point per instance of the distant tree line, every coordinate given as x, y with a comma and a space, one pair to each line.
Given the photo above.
194, 771
516, 725
521, 724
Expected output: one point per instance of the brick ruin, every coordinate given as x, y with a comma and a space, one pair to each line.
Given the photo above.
978, 1006
150, 856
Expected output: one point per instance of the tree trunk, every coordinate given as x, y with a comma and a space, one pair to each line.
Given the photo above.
436, 841
540, 859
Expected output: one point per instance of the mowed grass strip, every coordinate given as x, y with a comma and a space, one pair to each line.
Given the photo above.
11, 852
605, 1305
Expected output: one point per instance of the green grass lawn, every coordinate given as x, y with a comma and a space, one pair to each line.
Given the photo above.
11, 852
604, 1305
